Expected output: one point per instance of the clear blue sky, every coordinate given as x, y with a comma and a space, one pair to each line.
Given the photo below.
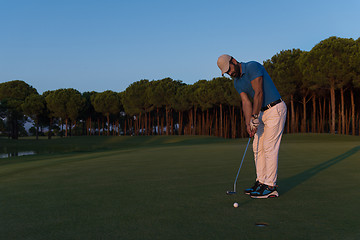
107, 45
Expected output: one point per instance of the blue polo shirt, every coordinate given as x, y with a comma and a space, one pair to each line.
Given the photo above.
250, 71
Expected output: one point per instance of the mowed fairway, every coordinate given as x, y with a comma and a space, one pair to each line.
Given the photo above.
174, 188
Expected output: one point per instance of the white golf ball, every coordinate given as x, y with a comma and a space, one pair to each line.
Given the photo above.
236, 205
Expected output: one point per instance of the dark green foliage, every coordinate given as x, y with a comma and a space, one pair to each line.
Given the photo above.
285, 71
65, 104
14, 93
12, 97
107, 103
329, 65
322, 83
135, 97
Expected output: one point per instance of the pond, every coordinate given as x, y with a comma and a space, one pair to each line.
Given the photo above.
17, 154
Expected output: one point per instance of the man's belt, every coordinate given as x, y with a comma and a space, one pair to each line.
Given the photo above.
270, 105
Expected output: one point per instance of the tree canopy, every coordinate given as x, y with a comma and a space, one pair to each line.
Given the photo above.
323, 83
12, 97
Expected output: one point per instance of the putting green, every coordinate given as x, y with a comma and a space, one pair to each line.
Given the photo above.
174, 188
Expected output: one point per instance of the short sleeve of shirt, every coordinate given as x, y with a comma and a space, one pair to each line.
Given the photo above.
254, 70
251, 71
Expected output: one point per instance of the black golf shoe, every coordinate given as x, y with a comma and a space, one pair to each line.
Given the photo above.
265, 192
256, 186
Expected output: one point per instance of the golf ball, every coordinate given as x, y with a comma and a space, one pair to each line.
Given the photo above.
236, 205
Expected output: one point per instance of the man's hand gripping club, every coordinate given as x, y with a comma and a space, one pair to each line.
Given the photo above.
254, 123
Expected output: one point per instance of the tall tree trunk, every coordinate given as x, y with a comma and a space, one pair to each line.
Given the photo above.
288, 121
352, 113
92, 132
194, 125
148, 123
66, 127
171, 119
125, 126
14, 126
207, 130
330, 116
343, 121
70, 128
50, 129
167, 120
191, 122
180, 122
211, 123
358, 121
303, 121
242, 124
74, 130
83, 130
118, 128
297, 120
108, 123
98, 126
320, 120
339, 121
162, 124
224, 127
233, 123
145, 124
37, 128
198, 130
235, 118
227, 124
158, 121
139, 125
221, 121
103, 126
88, 126
292, 113
130, 126
216, 123
203, 123
62, 127
347, 125
186, 124
333, 113
152, 117
313, 122
323, 116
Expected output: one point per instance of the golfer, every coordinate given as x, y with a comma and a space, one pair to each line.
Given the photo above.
264, 117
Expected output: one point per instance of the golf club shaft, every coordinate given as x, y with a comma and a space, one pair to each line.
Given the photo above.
237, 175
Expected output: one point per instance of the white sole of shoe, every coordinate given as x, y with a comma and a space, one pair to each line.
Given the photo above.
273, 194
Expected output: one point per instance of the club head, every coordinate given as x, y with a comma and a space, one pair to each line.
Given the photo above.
230, 193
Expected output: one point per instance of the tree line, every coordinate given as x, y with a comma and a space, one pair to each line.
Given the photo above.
320, 88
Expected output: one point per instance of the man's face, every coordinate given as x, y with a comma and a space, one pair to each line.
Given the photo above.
234, 70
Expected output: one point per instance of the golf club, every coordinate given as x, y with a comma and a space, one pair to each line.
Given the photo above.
237, 175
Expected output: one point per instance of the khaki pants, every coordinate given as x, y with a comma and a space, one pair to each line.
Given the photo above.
266, 143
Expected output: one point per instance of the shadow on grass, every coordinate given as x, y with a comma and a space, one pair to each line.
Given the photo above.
291, 182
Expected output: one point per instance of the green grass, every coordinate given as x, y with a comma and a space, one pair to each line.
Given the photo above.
174, 188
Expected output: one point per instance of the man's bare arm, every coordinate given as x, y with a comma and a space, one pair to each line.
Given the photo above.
247, 109
257, 85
